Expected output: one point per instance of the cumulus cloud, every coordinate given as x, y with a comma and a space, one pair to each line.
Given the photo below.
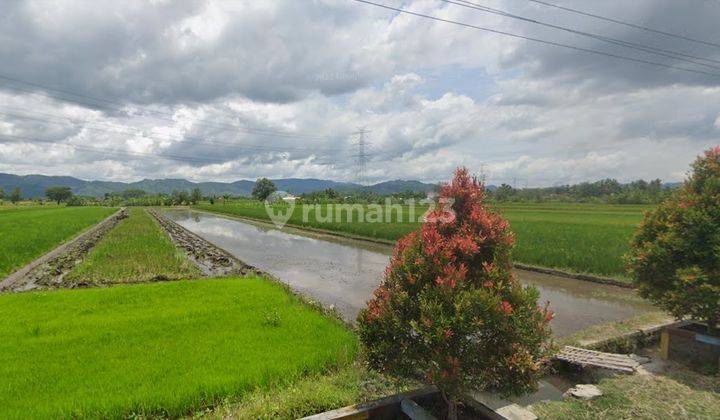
229, 90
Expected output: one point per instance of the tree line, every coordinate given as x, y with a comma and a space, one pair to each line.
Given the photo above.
608, 191
14, 196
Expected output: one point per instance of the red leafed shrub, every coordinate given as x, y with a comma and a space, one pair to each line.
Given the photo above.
675, 254
449, 311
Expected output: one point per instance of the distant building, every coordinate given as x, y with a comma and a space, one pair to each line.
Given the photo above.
278, 196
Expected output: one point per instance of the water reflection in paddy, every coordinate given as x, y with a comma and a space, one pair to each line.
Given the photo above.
344, 272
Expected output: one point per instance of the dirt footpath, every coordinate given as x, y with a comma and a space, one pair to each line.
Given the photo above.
48, 271
212, 260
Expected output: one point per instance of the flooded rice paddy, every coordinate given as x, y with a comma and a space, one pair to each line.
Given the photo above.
343, 272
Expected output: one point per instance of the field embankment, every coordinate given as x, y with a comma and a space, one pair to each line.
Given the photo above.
136, 250
29, 232
211, 260
580, 238
164, 348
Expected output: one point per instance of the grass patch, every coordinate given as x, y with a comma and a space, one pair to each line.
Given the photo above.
586, 239
349, 384
348, 222
29, 232
582, 238
161, 348
675, 393
137, 249
26, 205
603, 332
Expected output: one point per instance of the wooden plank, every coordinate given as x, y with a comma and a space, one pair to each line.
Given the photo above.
586, 357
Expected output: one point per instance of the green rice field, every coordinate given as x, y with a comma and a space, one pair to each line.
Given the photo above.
28, 232
166, 349
582, 238
137, 249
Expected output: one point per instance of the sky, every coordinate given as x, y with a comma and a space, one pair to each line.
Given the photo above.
229, 90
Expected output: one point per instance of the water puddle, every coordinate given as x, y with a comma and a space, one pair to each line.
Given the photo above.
344, 272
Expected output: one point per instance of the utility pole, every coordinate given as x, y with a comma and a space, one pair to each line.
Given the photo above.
361, 156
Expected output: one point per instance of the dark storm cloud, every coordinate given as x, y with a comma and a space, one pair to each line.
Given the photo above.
170, 52
694, 19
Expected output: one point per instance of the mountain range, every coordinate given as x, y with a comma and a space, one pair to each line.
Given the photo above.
33, 186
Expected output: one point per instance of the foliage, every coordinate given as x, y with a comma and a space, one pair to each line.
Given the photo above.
328, 195
58, 194
361, 196
675, 254
177, 198
503, 192
75, 201
449, 310
137, 249
138, 197
2, 194
195, 196
132, 193
15, 195
349, 384
27, 233
134, 352
608, 191
263, 188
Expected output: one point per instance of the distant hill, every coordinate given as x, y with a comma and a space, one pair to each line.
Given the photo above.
33, 186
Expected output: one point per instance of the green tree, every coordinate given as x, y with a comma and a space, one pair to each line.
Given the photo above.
504, 192
178, 198
450, 312
195, 196
331, 194
263, 188
674, 257
183, 197
58, 194
2, 194
15, 195
132, 193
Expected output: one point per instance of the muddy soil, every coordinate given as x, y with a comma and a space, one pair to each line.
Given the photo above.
212, 260
50, 273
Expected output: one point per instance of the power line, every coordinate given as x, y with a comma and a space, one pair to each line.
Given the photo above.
117, 106
538, 40
688, 58
620, 22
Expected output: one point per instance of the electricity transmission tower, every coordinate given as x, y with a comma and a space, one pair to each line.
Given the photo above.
362, 155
